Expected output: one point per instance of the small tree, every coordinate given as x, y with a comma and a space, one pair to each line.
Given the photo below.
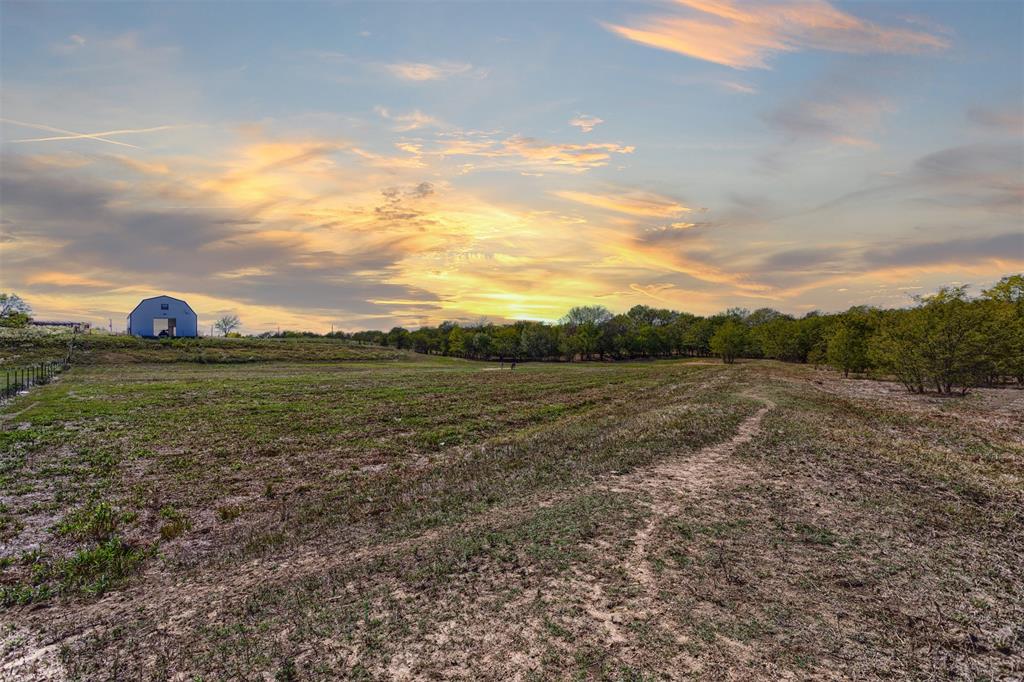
1004, 308
14, 311
456, 341
941, 343
847, 348
227, 324
729, 340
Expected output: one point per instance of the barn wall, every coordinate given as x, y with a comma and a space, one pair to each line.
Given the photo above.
142, 317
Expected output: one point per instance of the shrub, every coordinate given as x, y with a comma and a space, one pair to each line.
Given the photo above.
729, 341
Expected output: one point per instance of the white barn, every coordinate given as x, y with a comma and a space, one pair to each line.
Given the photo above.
163, 316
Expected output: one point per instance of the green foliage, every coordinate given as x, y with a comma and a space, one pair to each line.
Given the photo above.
730, 341
944, 343
175, 523
98, 520
14, 311
847, 347
228, 512
25, 346
97, 569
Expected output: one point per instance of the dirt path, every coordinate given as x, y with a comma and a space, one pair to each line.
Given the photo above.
668, 482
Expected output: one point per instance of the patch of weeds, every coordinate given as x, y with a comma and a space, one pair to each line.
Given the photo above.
98, 520
287, 672
21, 594
803, 661
268, 491
96, 570
679, 557
175, 523
9, 526
815, 535
556, 629
91, 571
228, 512
705, 631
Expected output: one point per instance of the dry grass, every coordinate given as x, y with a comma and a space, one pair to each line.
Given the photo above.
432, 520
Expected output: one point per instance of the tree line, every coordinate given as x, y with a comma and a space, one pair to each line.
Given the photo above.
947, 342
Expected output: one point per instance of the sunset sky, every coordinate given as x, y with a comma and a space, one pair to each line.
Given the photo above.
370, 165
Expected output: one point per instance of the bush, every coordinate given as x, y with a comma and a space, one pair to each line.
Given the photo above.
942, 343
729, 341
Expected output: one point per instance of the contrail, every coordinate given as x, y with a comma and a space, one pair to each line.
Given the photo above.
72, 135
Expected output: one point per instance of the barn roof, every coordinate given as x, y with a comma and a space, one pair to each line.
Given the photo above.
153, 298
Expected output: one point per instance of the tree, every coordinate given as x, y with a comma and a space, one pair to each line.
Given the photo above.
538, 341
399, 338
227, 324
456, 341
896, 348
14, 311
729, 340
847, 348
506, 342
1009, 289
592, 314
940, 343
481, 342
1004, 309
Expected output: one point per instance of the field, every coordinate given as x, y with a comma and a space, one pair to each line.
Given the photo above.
432, 518
21, 347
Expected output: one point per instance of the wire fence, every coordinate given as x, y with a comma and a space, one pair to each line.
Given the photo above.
20, 379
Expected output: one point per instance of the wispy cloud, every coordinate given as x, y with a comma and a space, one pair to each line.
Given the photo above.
585, 122
424, 71
519, 150
1008, 120
739, 88
73, 43
746, 35
414, 120
839, 118
631, 202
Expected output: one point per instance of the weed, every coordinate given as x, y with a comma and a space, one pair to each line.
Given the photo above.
175, 523
98, 520
228, 512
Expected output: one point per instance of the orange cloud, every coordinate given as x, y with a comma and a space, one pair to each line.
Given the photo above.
743, 36
635, 203
65, 279
520, 150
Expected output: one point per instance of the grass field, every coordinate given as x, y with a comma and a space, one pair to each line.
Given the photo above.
434, 518
20, 347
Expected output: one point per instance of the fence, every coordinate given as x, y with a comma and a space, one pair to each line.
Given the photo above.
23, 378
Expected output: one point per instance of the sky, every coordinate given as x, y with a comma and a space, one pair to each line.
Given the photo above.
348, 165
